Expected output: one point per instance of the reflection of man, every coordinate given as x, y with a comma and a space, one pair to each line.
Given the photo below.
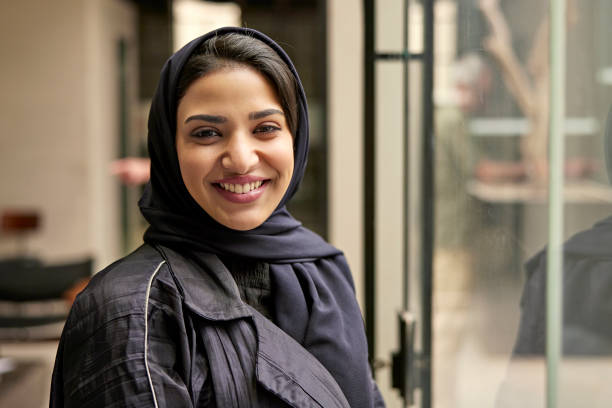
455, 220
472, 80
587, 319
454, 157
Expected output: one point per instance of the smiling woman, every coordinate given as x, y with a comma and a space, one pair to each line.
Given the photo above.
230, 302
231, 135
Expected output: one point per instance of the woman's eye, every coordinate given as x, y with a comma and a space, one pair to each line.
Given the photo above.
267, 129
205, 133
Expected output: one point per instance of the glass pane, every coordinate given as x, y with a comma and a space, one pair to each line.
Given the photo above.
490, 211
476, 257
491, 218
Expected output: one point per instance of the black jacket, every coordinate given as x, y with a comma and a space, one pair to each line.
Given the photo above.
158, 329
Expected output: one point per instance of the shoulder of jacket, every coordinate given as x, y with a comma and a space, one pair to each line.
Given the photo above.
123, 286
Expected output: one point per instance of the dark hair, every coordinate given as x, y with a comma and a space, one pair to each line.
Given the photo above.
233, 49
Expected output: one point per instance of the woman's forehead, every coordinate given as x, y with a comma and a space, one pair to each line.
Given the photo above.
230, 90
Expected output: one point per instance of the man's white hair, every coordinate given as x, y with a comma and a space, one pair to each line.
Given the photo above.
469, 69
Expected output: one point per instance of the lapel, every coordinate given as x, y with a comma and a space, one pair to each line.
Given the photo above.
288, 370
283, 366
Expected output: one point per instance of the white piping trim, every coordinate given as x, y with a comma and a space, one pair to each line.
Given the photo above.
146, 333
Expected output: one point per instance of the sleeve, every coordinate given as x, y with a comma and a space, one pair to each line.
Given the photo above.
377, 396
531, 338
122, 357
56, 399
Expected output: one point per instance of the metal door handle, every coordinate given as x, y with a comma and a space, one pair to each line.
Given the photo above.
404, 368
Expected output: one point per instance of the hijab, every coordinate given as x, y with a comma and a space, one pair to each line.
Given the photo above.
314, 300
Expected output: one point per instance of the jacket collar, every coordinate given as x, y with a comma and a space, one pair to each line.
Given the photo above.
207, 286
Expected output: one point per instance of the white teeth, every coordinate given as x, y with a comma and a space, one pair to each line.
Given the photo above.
241, 188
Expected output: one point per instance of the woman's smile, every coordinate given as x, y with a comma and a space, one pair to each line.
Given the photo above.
234, 146
241, 189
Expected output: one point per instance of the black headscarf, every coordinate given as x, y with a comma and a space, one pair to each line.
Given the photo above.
314, 300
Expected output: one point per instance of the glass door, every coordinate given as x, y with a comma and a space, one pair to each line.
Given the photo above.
490, 200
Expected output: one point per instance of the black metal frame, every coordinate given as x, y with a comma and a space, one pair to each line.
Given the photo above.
369, 160
428, 202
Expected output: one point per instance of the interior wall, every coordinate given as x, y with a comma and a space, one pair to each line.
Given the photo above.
345, 133
59, 124
43, 121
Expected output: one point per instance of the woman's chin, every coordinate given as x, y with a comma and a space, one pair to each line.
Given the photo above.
241, 224
246, 227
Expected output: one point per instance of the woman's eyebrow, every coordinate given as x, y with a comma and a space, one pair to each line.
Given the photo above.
264, 113
207, 118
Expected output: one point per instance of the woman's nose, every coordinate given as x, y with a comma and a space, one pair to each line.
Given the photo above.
240, 155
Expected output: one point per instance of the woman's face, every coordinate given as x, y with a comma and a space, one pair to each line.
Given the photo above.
234, 147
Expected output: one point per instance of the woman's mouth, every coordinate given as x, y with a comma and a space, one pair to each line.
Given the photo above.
241, 193
241, 188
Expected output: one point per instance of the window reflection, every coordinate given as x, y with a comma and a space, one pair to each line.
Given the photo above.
492, 207
587, 313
